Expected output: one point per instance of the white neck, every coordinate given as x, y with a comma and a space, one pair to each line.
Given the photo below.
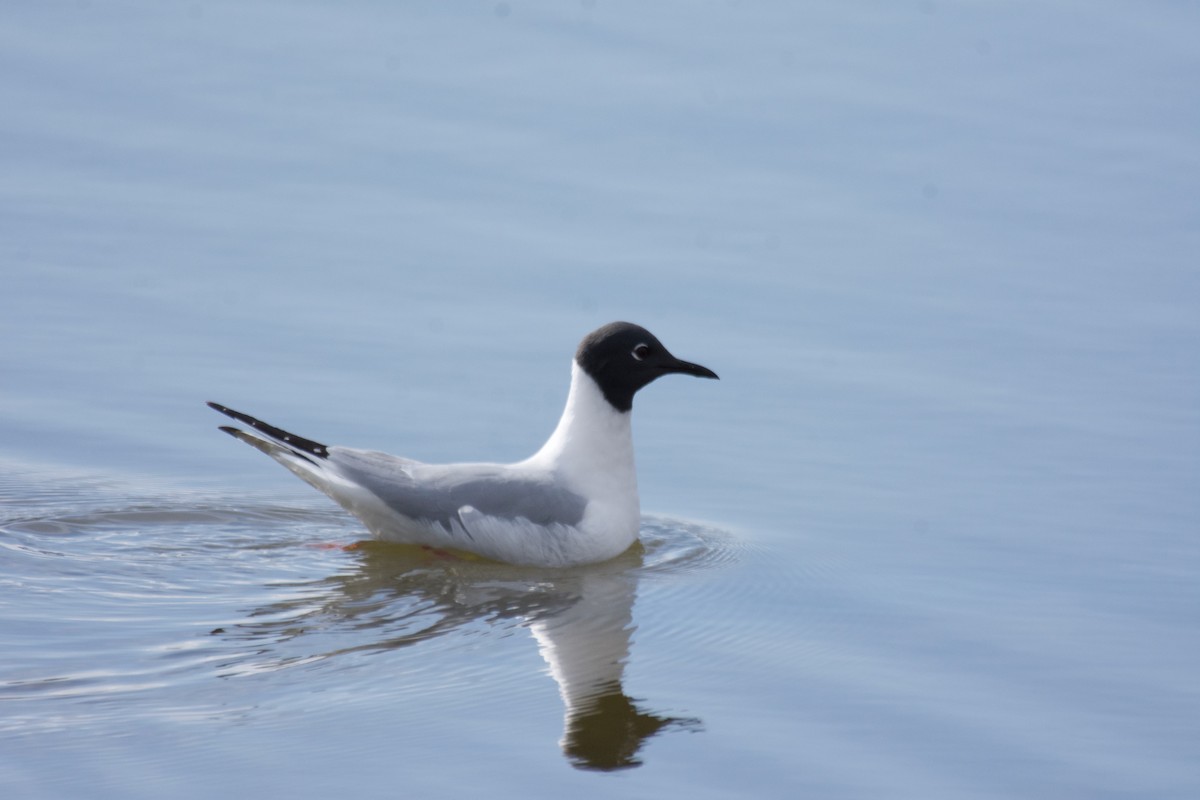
592, 447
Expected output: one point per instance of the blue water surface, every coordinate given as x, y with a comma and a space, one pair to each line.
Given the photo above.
933, 535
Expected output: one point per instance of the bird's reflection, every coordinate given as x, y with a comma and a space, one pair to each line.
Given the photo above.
586, 644
582, 619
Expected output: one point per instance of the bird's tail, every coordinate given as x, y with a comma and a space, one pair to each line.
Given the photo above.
303, 457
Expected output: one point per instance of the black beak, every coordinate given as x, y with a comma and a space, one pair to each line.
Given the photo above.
688, 368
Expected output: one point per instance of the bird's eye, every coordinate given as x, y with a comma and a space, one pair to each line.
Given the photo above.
641, 351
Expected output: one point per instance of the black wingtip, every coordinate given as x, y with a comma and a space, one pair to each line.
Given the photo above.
285, 438
232, 431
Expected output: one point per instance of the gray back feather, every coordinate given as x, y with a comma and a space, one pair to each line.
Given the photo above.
435, 493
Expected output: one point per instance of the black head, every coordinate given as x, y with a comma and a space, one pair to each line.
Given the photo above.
622, 358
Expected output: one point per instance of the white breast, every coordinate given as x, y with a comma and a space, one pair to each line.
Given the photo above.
591, 450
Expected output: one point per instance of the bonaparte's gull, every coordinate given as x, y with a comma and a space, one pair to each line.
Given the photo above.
574, 501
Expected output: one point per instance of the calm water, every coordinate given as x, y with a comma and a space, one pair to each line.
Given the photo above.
935, 533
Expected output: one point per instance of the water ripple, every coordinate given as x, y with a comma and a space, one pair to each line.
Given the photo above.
159, 600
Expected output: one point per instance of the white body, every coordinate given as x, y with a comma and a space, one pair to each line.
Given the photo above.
589, 454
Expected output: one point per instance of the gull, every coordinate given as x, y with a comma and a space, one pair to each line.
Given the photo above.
574, 501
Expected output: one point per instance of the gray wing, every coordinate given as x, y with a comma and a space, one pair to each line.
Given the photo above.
437, 493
